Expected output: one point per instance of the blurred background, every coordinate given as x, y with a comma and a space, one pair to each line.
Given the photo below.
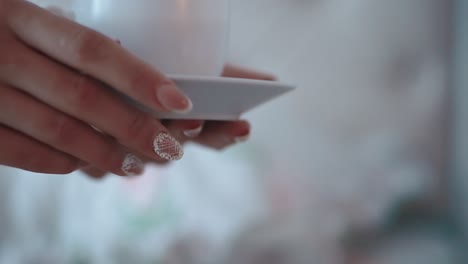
354, 167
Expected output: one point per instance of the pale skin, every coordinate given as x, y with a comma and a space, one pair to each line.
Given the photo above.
57, 113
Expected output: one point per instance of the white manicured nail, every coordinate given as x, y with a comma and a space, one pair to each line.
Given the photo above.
192, 133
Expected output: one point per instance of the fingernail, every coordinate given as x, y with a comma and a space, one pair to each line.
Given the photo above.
173, 99
132, 165
194, 132
167, 147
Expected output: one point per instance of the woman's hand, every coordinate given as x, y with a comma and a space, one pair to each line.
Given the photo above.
213, 134
56, 112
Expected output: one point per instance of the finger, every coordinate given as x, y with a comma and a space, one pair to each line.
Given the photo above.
96, 55
91, 102
182, 130
49, 126
97, 173
25, 153
240, 72
94, 172
219, 135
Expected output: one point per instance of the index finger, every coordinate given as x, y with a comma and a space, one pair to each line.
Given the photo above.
96, 55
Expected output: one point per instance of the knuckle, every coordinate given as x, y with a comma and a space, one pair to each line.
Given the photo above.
91, 47
84, 94
10, 60
136, 127
94, 172
65, 166
108, 159
61, 131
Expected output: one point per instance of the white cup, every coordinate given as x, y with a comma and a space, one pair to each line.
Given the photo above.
183, 37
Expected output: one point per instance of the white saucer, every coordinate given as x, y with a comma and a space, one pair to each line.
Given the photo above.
220, 98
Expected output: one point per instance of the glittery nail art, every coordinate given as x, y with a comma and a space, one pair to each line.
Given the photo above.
132, 165
167, 147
